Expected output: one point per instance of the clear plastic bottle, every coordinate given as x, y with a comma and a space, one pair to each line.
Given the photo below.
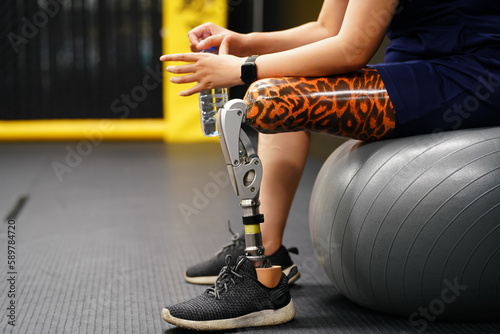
210, 102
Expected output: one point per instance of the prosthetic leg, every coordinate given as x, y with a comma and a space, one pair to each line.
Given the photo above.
245, 172
354, 105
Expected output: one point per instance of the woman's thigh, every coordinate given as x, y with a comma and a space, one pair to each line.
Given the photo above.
355, 105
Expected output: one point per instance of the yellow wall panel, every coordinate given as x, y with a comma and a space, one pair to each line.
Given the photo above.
83, 129
182, 114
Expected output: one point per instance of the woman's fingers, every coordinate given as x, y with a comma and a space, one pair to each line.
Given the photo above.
199, 33
224, 45
205, 36
212, 41
188, 78
195, 36
184, 57
180, 69
205, 69
192, 90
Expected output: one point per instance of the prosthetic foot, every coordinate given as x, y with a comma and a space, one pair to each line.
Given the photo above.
245, 172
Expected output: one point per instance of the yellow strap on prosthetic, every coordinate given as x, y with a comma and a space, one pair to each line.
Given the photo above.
252, 229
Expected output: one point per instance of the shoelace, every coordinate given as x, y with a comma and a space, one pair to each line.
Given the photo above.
225, 277
235, 240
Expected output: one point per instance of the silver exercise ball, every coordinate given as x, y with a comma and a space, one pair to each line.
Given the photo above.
411, 226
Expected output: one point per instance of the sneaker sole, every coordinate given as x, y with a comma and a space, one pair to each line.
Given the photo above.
210, 280
204, 280
255, 319
286, 271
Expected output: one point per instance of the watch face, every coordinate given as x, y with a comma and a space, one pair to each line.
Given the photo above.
248, 73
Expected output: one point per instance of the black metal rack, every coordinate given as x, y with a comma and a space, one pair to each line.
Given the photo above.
72, 59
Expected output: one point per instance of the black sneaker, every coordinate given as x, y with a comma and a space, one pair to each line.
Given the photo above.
236, 300
207, 272
282, 258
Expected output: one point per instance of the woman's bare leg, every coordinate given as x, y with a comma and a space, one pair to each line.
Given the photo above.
283, 157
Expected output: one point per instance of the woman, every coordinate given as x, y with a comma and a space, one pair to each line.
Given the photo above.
441, 72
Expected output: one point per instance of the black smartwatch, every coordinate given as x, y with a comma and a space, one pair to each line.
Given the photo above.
249, 70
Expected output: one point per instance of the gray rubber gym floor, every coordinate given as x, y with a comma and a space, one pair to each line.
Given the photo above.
103, 233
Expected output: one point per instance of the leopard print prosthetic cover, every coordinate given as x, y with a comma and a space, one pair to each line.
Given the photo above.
355, 105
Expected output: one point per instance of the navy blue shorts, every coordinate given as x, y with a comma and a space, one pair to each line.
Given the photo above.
443, 94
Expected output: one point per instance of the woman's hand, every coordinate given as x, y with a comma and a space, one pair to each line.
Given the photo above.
206, 69
210, 35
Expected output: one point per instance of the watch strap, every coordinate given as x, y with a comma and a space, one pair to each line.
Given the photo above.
249, 70
251, 59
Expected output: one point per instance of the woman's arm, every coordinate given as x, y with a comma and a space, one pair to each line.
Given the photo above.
328, 24
363, 28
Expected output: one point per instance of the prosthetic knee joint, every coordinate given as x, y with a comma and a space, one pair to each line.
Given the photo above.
245, 172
